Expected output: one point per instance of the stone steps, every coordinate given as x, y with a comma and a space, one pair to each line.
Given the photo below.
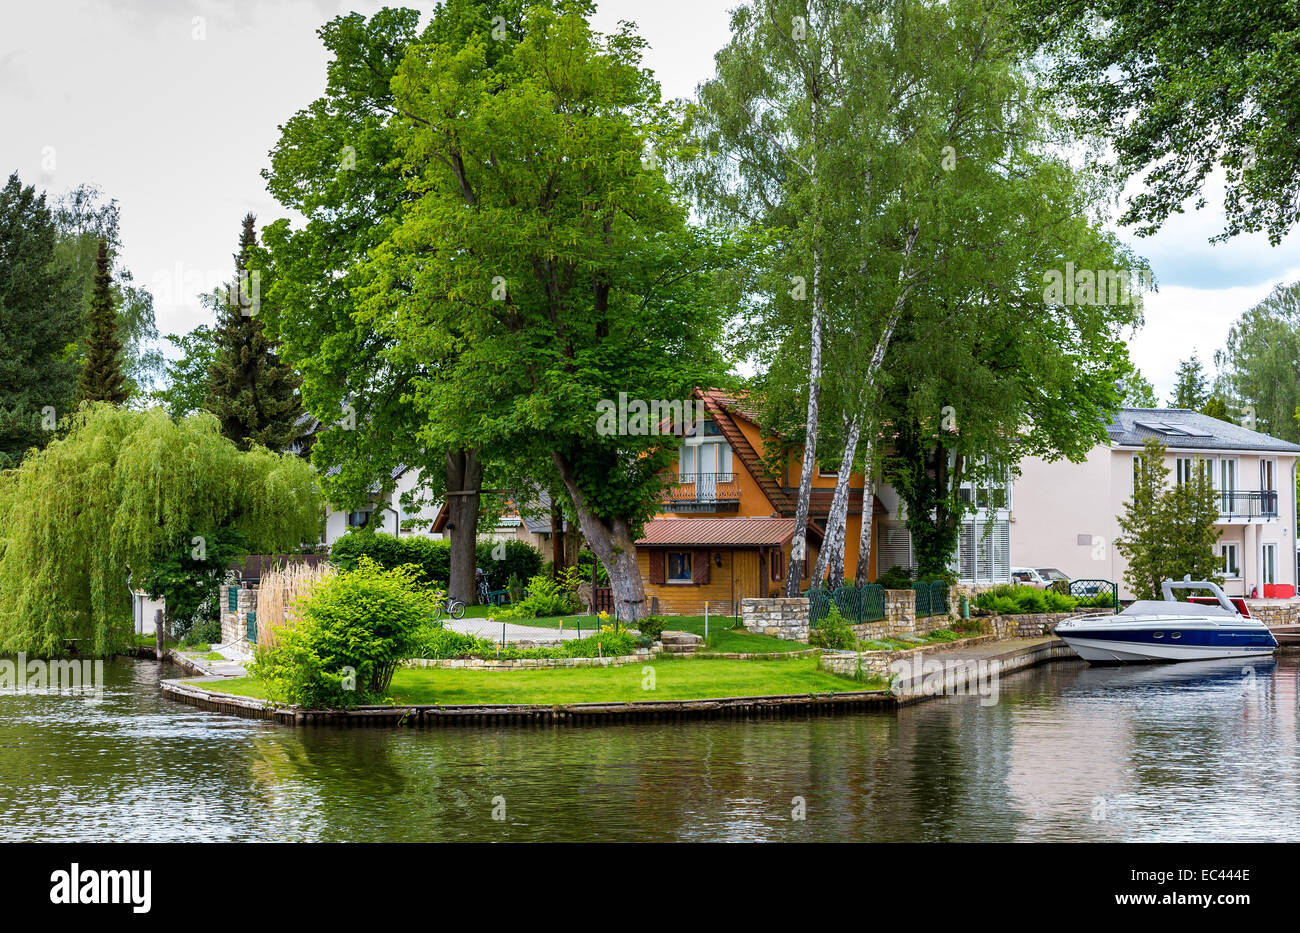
680, 643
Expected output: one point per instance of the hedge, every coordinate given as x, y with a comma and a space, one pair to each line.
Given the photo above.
432, 556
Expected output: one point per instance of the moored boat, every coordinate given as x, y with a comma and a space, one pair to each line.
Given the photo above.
1152, 631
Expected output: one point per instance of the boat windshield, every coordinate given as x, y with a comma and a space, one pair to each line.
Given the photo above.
1160, 607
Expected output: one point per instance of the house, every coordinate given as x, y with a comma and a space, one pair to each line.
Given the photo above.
1066, 514
726, 524
385, 511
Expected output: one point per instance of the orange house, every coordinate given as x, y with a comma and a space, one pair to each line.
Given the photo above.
724, 530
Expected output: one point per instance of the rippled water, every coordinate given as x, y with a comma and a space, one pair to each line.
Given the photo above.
1184, 752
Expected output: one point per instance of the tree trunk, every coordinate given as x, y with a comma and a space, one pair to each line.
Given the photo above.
799, 544
612, 542
831, 556
464, 487
557, 540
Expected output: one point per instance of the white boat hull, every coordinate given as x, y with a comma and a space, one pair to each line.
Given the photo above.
1106, 651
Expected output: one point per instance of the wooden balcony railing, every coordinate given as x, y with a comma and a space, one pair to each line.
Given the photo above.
703, 487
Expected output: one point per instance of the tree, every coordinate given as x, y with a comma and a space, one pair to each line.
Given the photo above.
186, 377
1166, 534
1262, 363
115, 501
1191, 385
84, 219
253, 394
546, 266
38, 322
188, 580
333, 165
101, 377
1181, 89
1137, 392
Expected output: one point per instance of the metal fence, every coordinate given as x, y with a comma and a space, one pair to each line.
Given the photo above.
931, 598
857, 604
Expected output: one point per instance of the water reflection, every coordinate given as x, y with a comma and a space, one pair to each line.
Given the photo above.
1189, 752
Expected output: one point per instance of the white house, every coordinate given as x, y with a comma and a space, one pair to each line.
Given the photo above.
1065, 514
385, 511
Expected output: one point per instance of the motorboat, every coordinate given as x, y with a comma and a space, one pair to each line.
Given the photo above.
1153, 630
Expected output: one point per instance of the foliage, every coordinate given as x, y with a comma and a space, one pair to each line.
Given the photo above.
123, 492
101, 376
354, 629
189, 580
833, 631
186, 377
1016, 599
1137, 392
253, 394
1181, 90
1262, 360
39, 320
84, 220
1167, 533
896, 578
432, 556
1191, 385
546, 597
652, 626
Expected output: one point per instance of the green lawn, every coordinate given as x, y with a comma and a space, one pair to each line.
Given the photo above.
722, 637
689, 679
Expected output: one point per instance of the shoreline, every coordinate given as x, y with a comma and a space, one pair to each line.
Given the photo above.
201, 693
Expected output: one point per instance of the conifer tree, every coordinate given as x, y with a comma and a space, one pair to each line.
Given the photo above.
253, 394
101, 378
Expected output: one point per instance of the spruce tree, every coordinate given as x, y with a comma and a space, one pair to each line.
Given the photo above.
101, 377
253, 394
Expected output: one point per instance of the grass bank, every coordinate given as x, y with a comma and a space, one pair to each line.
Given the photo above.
687, 679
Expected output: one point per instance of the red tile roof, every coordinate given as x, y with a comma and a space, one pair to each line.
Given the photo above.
721, 532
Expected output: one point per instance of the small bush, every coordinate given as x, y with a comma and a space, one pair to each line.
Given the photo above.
833, 632
652, 627
969, 627
354, 629
500, 560
896, 578
545, 597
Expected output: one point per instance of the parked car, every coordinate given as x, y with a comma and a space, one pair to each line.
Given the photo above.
1051, 574
1027, 576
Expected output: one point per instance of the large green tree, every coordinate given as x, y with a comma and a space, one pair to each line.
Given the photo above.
120, 495
1191, 385
1181, 89
251, 391
185, 387
39, 321
101, 374
546, 266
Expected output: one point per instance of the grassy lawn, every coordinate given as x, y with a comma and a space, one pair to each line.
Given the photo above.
674, 680
721, 635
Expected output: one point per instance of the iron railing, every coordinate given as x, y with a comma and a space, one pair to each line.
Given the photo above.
856, 604
1261, 504
703, 487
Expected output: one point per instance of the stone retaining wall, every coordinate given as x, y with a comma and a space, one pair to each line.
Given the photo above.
878, 663
1274, 613
780, 618
900, 618
1029, 625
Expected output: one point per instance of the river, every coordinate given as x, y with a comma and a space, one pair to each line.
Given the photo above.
1181, 752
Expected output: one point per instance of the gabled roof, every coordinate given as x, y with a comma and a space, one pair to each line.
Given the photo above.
720, 406
1182, 428
721, 532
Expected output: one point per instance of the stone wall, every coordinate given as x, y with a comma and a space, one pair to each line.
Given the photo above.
780, 618
234, 625
900, 618
878, 663
1028, 625
1274, 612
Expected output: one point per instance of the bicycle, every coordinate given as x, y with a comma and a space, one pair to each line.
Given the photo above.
452, 607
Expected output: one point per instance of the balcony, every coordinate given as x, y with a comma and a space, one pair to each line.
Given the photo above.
702, 492
1247, 506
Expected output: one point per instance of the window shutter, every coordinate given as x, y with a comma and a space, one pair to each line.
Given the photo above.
700, 574
656, 566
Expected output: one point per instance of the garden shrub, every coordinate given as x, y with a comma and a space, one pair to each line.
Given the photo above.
545, 597
652, 627
354, 629
833, 632
896, 578
500, 560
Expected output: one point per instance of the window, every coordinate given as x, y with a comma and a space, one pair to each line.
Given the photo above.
1227, 484
1267, 475
679, 566
359, 518
1270, 564
776, 565
1188, 467
1231, 567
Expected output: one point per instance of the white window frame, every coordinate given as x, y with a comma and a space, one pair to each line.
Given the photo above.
1228, 569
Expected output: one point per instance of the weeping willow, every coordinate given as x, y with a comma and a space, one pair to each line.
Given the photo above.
119, 491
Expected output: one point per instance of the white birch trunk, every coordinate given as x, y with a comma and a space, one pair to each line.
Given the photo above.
831, 556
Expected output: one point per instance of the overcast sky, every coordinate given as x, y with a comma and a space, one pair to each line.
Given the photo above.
174, 116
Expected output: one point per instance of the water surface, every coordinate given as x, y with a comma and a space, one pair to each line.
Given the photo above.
1183, 752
